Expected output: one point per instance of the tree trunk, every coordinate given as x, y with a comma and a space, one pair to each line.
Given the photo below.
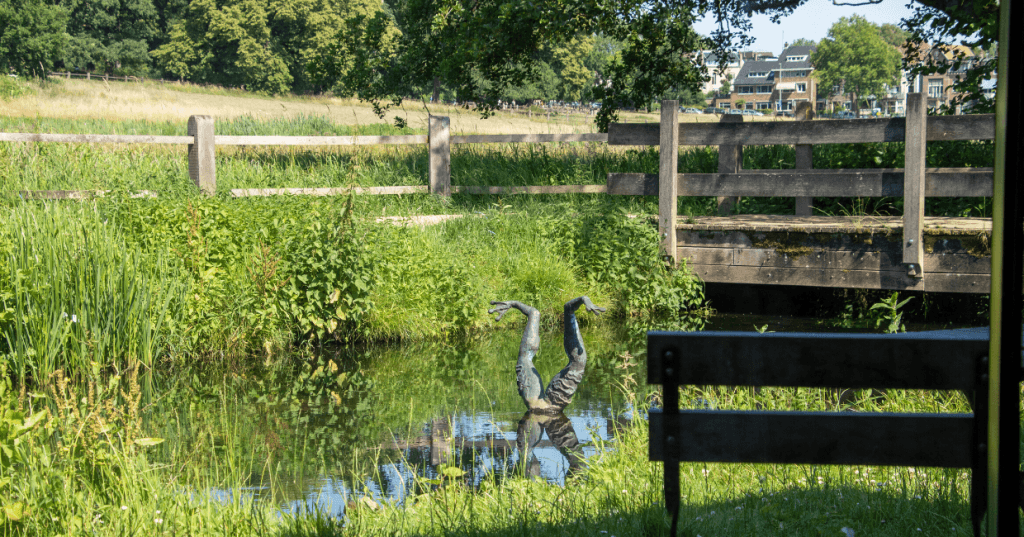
437, 90
856, 106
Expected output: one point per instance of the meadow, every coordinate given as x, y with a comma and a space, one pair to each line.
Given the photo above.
108, 304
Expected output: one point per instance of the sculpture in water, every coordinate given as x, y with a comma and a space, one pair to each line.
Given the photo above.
559, 392
559, 429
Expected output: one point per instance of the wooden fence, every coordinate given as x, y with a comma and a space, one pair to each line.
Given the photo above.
202, 142
913, 182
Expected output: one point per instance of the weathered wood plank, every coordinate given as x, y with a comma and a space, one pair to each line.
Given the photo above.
668, 168
321, 140
532, 189
804, 158
730, 160
840, 260
843, 131
939, 182
943, 282
709, 256
713, 239
914, 183
77, 194
632, 184
439, 173
373, 190
882, 225
202, 161
933, 440
94, 138
529, 138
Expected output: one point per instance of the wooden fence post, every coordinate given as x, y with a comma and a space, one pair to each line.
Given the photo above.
804, 158
668, 185
440, 167
202, 166
730, 160
913, 184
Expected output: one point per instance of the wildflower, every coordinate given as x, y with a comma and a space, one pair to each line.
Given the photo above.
705, 472
158, 521
124, 507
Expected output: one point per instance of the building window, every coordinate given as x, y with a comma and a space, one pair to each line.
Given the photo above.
759, 74
837, 89
726, 105
745, 90
935, 88
764, 105
801, 87
784, 105
764, 89
795, 58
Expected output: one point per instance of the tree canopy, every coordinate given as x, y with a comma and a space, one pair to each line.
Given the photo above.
854, 57
32, 36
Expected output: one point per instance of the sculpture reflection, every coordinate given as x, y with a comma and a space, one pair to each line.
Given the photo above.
559, 429
563, 385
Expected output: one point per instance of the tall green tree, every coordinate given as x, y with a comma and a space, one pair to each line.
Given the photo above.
576, 78
893, 34
32, 36
110, 35
227, 43
803, 42
854, 57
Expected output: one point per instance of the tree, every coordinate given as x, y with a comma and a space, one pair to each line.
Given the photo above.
893, 35
266, 45
803, 42
576, 78
854, 57
726, 87
32, 36
943, 23
107, 35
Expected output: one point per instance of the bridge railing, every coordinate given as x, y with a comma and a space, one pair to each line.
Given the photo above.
913, 182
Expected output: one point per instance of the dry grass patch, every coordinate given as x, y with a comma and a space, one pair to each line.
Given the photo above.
156, 101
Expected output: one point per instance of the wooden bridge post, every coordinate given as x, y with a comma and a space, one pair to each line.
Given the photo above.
730, 160
668, 184
804, 158
440, 166
202, 166
913, 184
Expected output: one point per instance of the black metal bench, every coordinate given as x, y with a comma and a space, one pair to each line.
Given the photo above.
948, 360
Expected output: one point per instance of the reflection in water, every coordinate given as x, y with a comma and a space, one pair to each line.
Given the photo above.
561, 433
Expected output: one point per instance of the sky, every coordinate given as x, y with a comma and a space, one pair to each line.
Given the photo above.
812, 21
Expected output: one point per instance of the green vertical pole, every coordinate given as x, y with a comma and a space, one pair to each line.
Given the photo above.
1003, 439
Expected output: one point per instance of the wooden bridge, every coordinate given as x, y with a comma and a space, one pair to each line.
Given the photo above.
912, 252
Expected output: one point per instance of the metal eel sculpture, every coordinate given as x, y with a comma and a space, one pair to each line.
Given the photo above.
562, 387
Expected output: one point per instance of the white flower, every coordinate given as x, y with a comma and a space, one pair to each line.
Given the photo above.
124, 507
158, 521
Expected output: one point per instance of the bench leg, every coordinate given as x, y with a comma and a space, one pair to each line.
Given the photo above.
672, 494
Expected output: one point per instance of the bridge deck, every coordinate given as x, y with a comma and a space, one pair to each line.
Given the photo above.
851, 251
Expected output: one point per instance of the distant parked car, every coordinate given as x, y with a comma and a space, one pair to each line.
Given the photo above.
751, 113
845, 114
784, 113
690, 111
709, 110
735, 111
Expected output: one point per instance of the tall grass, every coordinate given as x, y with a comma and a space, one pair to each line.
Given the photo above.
76, 294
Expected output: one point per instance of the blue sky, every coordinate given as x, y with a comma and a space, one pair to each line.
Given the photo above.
812, 21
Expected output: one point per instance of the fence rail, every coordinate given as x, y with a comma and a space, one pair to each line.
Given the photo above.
202, 142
